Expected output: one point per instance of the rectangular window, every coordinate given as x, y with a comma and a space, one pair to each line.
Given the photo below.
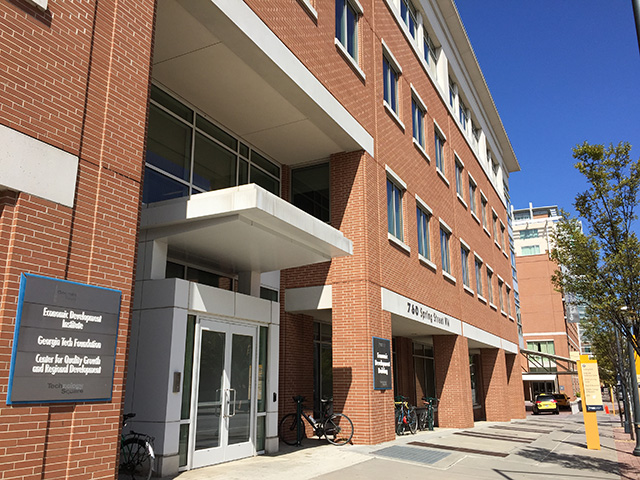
418, 122
444, 250
310, 190
424, 244
347, 26
472, 195
523, 215
489, 285
503, 238
508, 300
495, 226
528, 233
390, 84
484, 212
478, 264
452, 93
394, 209
439, 151
463, 113
429, 50
540, 364
408, 14
531, 250
464, 257
500, 298
459, 187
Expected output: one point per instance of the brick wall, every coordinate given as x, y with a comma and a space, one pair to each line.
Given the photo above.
75, 77
453, 384
494, 381
515, 392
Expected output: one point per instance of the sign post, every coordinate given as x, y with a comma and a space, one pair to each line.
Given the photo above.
64, 342
591, 399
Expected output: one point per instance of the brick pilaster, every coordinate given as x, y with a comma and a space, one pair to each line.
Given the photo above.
453, 381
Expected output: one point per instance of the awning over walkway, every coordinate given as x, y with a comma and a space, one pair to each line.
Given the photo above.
243, 228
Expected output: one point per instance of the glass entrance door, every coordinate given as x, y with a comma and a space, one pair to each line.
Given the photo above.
224, 404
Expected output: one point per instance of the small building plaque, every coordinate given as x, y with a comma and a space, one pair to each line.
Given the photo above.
381, 364
64, 342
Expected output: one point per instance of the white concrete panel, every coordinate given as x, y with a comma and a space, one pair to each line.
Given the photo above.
275, 313
169, 292
486, 338
203, 298
308, 298
35, 167
508, 346
271, 280
252, 308
408, 308
152, 365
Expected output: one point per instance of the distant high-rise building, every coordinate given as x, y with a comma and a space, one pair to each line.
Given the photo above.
550, 319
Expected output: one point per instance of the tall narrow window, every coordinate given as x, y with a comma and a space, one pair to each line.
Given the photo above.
464, 257
500, 297
472, 195
390, 75
495, 227
408, 13
459, 187
429, 50
463, 115
478, 265
490, 285
347, 26
418, 122
394, 209
452, 93
508, 300
424, 247
444, 249
439, 151
484, 212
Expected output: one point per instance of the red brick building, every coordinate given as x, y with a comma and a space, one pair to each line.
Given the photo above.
270, 189
547, 325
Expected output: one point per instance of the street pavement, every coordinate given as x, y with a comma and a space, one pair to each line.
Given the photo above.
536, 448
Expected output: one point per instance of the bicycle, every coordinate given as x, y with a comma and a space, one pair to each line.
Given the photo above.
425, 417
136, 454
337, 428
406, 417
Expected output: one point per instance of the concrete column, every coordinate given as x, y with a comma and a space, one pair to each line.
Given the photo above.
453, 381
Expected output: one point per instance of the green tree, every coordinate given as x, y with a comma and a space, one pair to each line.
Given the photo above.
602, 266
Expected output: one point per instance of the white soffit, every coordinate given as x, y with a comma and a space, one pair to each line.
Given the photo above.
243, 228
35, 167
219, 56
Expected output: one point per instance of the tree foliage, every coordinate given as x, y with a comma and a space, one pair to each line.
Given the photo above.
601, 266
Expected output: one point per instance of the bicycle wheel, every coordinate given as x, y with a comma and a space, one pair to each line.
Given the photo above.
412, 420
289, 429
338, 429
423, 421
399, 421
135, 460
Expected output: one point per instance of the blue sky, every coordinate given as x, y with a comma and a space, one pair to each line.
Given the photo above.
561, 72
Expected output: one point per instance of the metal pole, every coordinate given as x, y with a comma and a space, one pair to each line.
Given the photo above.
636, 16
636, 399
625, 397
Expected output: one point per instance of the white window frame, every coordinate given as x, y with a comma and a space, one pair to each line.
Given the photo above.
394, 65
445, 257
464, 263
397, 182
425, 210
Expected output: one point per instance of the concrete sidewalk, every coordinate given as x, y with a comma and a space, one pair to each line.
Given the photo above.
538, 447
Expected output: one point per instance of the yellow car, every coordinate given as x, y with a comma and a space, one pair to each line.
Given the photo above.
545, 403
562, 399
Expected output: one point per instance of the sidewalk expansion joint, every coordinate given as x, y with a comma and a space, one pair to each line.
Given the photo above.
459, 449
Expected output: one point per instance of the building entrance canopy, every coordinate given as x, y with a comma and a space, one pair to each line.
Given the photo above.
243, 229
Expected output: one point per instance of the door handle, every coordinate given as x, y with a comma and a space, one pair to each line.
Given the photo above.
235, 394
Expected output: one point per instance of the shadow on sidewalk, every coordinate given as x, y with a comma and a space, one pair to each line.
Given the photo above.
506, 474
572, 462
